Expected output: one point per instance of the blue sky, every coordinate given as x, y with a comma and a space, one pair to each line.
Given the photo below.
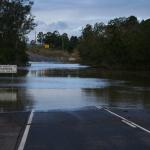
71, 15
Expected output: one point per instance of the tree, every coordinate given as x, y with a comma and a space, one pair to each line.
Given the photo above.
57, 41
65, 41
48, 38
122, 43
16, 22
73, 42
87, 31
40, 37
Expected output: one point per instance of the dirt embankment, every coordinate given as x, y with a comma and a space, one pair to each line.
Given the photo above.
37, 57
41, 54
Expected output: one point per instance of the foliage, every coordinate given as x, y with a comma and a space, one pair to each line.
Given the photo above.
122, 43
15, 22
57, 41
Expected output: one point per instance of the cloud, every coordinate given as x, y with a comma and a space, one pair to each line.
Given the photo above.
42, 26
70, 15
60, 26
82, 8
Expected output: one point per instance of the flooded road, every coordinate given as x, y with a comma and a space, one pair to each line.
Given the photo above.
50, 85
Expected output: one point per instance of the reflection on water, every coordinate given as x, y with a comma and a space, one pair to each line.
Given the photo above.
45, 86
7, 95
43, 66
14, 99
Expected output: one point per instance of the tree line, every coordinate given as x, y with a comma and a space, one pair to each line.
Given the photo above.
122, 43
16, 22
58, 41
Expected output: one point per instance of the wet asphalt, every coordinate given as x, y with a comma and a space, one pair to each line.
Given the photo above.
12, 126
88, 128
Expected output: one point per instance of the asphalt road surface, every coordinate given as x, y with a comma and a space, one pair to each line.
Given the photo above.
89, 128
12, 127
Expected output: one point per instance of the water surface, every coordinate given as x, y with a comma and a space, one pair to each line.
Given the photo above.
51, 85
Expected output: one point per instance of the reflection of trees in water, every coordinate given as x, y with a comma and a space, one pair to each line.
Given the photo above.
13, 98
120, 96
16, 99
54, 73
136, 78
22, 72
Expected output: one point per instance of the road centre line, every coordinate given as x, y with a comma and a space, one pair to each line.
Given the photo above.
128, 121
25, 135
124, 120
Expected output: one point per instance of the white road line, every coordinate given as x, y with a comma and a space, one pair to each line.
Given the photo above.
116, 114
128, 123
25, 135
30, 118
140, 127
126, 120
99, 107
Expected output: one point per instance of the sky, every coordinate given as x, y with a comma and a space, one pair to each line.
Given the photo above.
71, 16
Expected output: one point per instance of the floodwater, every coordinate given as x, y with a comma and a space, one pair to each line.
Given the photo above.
45, 86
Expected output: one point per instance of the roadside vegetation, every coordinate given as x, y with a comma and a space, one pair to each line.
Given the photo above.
16, 22
57, 41
123, 43
61, 47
